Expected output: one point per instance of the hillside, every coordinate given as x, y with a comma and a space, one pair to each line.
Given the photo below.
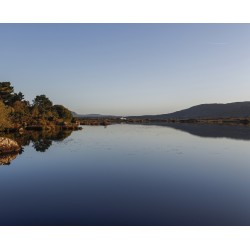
235, 110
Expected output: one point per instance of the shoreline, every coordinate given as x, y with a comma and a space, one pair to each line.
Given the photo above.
218, 121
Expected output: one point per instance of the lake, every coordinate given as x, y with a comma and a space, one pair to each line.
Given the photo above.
180, 174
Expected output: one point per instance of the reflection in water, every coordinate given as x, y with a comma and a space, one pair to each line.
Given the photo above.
7, 158
128, 175
239, 132
41, 141
42, 145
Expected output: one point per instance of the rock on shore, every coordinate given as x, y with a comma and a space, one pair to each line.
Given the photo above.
8, 146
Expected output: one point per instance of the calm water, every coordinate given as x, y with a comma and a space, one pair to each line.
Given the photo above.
130, 175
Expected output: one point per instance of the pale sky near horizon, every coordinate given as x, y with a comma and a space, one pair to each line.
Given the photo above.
128, 69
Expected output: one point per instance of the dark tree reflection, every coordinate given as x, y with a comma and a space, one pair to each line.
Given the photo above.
41, 142
42, 145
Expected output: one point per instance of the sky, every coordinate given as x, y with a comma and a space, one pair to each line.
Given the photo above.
127, 69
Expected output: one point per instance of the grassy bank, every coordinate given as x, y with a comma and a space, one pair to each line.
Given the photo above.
105, 122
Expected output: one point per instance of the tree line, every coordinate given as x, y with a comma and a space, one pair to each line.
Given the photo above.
16, 112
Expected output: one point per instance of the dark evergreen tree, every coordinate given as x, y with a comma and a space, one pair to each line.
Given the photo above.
43, 104
62, 112
6, 92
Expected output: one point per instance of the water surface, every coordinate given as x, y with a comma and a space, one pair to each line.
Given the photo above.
130, 175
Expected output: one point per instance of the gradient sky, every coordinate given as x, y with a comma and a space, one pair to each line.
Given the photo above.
128, 69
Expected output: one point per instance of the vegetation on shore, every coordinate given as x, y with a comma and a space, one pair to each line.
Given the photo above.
18, 114
228, 121
105, 122
236, 113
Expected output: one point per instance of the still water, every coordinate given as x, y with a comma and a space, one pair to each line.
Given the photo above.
130, 175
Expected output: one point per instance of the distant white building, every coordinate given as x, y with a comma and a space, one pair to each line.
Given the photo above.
123, 118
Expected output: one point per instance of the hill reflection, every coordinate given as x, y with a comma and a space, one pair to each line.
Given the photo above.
239, 132
41, 141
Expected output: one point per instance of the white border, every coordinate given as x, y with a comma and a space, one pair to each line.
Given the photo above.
124, 238
128, 11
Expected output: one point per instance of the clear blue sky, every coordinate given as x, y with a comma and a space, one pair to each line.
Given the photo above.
128, 69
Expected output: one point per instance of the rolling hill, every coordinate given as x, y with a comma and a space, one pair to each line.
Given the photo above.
215, 110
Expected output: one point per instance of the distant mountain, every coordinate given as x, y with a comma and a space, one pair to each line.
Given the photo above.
235, 110
74, 114
93, 115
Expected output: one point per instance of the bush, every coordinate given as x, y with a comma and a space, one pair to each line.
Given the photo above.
4, 117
